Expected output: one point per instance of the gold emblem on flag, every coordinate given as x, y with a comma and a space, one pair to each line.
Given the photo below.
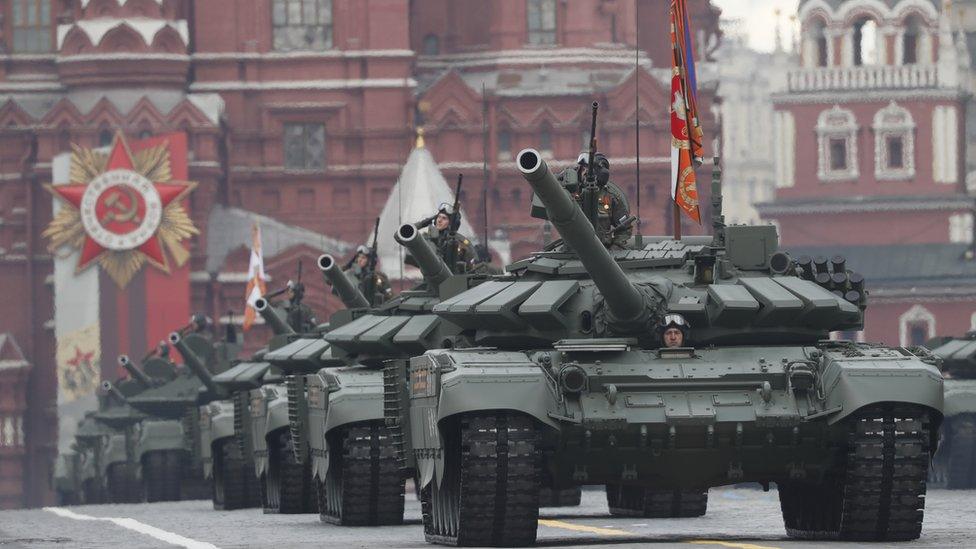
122, 209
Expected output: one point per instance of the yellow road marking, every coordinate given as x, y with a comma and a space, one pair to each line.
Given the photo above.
581, 528
729, 544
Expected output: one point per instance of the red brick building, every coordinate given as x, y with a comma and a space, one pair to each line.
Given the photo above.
870, 160
303, 111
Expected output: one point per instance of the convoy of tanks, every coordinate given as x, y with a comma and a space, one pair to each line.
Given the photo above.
497, 394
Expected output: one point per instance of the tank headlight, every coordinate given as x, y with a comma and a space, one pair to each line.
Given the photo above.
572, 379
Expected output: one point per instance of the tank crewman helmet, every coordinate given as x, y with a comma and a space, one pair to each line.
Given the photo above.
674, 320
602, 168
363, 249
446, 208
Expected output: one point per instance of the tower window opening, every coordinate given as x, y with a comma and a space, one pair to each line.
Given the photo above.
838, 154
865, 43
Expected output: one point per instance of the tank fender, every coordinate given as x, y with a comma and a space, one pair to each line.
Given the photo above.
221, 428
159, 435
277, 414
478, 381
355, 396
318, 407
887, 375
960, 396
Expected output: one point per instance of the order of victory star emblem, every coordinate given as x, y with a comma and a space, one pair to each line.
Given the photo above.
122, 209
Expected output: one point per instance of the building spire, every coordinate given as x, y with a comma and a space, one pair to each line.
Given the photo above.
420, 139
779, 37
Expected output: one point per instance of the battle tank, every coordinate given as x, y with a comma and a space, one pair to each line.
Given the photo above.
570, 382
954, 465
262, 414
167, 449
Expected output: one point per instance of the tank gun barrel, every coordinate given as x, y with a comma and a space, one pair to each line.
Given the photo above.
136, 374
111, 389
271, 316
194, 362
626, 303
349, 294
433, 267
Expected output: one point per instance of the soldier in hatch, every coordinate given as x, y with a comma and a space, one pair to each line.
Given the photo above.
298, 315
359, 267
674, 331
612, 206
453, 247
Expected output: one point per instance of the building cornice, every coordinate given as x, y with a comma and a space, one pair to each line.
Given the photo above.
297, 55
867, 96
533, 56
328, 84
865, 204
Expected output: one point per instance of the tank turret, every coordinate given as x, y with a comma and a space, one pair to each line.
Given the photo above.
272, 317
194, 362
627, 304
431, 265
138, 375
350, 295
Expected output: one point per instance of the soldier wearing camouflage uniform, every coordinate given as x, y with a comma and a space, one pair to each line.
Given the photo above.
455, 249
299, 316
612, 205
382, 292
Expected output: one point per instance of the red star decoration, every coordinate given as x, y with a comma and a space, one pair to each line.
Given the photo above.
81, 358
121, 159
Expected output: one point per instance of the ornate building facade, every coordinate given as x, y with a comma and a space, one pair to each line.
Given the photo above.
299, 114
870, 160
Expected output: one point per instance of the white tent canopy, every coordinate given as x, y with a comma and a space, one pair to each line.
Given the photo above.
418, 192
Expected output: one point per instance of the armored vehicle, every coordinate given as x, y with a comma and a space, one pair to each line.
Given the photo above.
954, 465
117, 462
570, 382
167, 449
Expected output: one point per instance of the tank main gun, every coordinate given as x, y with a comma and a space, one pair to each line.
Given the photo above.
138, 375
278, 325
350, 295
628, 306
111, 389
194, 362
431, 266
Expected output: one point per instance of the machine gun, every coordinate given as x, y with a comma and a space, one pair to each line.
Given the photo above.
449, 246
369, 272
589, 190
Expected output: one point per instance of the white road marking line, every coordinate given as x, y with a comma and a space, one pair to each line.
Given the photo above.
136, 526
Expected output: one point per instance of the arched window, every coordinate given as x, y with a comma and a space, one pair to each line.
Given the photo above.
916, 326
104, 137
432, 44
866, 47
545, 139
894, 143
910, 40
504, 145
817, 46
837, 145
541, 21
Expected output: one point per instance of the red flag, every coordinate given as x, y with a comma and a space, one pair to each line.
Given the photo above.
686, 133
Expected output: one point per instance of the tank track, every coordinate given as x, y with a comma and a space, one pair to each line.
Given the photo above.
638, 501
364, 486
295, 386
162, 475
233, 479
123, 486
288, 483
961, 459
880, 493
490, 493
566, 497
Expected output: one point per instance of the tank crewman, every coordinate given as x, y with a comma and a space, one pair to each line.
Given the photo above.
359, 267
299, 316
612, 206
453, 247
162, 350
674, 331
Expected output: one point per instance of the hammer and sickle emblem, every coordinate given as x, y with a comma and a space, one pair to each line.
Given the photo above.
118, 210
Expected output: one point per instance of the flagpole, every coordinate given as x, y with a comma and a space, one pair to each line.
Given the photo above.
676, 216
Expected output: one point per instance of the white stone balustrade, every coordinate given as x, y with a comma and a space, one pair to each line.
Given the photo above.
863, 78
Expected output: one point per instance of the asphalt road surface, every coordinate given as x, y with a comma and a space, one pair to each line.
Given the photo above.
737, 518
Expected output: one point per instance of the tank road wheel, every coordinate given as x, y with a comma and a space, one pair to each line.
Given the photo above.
162, 471
364, 486
880, 494
230, 482
566, 497
123, 486
961, 459
289, 483
638, 501
490, 491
